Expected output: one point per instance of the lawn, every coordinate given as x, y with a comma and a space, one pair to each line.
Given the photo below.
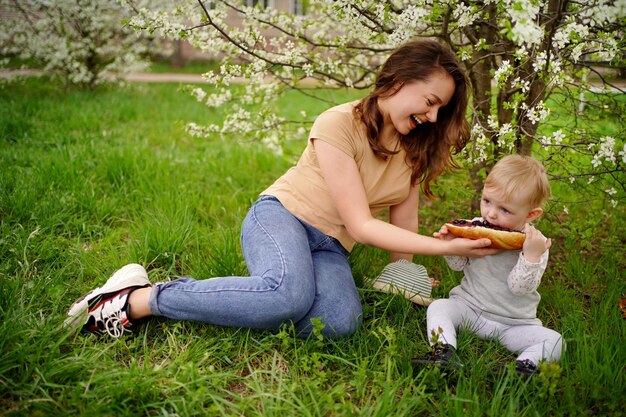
94, 180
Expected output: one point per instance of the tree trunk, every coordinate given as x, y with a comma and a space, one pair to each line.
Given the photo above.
481, 86
480, 78
527, 127
177, 60
555, 13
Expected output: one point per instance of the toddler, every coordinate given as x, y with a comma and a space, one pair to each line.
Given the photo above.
498, 297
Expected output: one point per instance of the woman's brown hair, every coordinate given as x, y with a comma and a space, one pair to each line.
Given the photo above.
429, 146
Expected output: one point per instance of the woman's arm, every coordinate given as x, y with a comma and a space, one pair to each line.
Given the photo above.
346, 188
456, 263
404, 215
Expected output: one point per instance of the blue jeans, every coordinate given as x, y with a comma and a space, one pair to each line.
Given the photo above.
296, 273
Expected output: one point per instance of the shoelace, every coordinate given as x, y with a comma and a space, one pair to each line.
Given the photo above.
113, 317
114, 324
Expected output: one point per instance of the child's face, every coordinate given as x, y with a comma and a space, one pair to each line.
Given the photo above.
512, 213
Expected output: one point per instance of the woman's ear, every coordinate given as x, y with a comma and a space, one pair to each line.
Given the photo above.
534, 214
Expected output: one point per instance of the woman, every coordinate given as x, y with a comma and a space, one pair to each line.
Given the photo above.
362, 157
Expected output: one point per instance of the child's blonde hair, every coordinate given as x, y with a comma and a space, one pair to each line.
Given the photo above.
520, 174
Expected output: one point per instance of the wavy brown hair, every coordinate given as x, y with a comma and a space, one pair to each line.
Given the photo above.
430, 146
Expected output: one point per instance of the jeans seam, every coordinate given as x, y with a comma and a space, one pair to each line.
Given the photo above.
335, 246
278, 249
280, 252
323, 242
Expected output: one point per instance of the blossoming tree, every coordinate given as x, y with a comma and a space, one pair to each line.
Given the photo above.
83, 41
519, 54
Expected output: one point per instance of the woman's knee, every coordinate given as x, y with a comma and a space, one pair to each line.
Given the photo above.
339, 323
344, 325
292, 309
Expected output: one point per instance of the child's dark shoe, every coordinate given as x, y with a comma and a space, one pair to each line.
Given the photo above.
443, 355
522, 367
526, 368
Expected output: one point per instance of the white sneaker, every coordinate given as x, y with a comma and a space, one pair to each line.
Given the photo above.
106, 309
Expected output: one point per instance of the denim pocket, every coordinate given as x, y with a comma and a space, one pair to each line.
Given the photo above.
266, 197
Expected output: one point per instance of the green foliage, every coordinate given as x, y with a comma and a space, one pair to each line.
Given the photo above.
191, 67
85, 43
549, 378
91, 181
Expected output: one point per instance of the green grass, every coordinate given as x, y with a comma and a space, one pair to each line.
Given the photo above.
93, 180
190, 67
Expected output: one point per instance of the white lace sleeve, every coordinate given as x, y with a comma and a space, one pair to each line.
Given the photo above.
526, 276
456, 263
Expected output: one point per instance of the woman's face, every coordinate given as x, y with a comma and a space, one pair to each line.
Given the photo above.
417, 102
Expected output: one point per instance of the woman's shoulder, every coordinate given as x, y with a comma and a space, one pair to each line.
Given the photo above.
345, 110
341, 115
340, 125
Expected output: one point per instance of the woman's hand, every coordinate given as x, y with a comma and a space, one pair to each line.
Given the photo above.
535, 244
466, 247
443, 234
471, 248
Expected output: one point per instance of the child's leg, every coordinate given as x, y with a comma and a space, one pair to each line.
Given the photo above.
447, 314
533, 342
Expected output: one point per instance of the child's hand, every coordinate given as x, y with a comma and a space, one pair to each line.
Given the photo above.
535, 244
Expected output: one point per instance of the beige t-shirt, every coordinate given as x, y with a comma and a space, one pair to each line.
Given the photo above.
303, 191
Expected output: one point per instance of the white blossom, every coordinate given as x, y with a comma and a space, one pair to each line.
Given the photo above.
407, 24
523, 85
527, 33
505, 129
199, 94
492, 122
556, 138
540, 61
196, 131
503, 72
343, 43
272, 143
83, 42
577, 52
521, 52
480, 141
537, 113
465, 54
608, 49
605, 152
218, 99
464, 14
